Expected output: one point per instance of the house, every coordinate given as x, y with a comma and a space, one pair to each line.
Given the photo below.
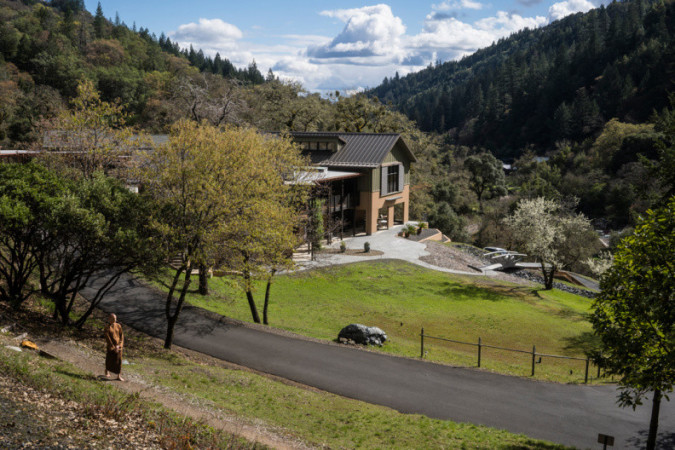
366, 177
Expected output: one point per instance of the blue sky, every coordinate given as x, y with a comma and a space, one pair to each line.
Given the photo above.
347, 45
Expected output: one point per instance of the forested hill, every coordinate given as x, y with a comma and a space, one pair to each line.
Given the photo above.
559, 82
46, 48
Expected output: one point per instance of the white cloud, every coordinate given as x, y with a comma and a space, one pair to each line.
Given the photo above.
504, 24
209, 33
372, 38
370, 31
562, 9
457, 4
450, 38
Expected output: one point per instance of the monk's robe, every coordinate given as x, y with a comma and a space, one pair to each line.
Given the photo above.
114, 337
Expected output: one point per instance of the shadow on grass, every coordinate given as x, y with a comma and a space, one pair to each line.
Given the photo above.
68, 373
586, 343
472, 292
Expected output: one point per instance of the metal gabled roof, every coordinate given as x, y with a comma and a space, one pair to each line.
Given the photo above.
367, 150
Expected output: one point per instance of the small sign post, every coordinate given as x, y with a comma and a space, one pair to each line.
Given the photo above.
605, 440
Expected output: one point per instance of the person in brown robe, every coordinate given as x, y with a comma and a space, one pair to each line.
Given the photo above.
114, 339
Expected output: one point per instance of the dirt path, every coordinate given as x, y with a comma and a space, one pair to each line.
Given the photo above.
89, 361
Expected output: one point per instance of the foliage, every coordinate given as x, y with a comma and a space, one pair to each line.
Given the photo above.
486, 177
543, 85
446, 219
28, 194
91, 136
553, 233
600, 264
314, 224
635, 315
287, 106
47, 50
69, 232
258, 240
222, 201
664, 167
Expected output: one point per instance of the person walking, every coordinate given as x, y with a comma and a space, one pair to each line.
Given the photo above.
114, 339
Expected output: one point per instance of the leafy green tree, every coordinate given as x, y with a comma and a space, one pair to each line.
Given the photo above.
28, 193
486, 177
98, 227
91, 136
634, 314
215, 190
664, 169
66, 232
446, 219
260, 239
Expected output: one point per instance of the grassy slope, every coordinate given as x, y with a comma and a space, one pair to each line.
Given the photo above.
402, 298
308, 415
320, 418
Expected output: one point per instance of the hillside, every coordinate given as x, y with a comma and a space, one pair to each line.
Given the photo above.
559, 82
46, 48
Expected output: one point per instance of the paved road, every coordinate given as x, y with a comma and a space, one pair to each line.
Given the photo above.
567, 414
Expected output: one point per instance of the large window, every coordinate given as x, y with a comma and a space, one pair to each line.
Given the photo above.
392, 179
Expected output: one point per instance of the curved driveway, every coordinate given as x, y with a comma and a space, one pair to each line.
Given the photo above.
567, 414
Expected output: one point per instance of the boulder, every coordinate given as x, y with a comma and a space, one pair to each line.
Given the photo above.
361, 334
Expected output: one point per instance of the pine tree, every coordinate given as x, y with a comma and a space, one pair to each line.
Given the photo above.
99, 22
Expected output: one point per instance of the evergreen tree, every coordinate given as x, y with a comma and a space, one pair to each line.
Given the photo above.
99, 22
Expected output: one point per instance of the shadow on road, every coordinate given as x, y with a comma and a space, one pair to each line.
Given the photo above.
664, 441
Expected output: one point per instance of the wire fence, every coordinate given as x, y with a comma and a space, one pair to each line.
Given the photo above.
480, 346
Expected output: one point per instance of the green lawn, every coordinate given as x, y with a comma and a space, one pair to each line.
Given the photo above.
401, 298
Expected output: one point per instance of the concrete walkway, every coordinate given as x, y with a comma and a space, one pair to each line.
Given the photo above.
391, 246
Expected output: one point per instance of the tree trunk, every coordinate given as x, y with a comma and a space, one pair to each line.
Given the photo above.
548, 276
654, 422
267, 296
203, 280
251, 304
171, 319
112, 281
169, 332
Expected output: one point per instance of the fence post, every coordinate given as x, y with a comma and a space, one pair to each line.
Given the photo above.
422, 343
534, 353
588, 361
479, 348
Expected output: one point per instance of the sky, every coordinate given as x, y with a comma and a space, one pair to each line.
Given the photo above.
347, 45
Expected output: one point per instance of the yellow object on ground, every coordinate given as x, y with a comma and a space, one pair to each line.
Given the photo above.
28, 344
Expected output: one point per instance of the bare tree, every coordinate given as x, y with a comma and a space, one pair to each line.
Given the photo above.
210, 97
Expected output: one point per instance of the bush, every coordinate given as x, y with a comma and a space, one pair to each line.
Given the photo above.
343, 247
366, 247
445, 219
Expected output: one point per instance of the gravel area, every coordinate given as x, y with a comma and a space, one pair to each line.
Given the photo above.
33, 419
454, 258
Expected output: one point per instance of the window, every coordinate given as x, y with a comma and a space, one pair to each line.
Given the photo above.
392, 179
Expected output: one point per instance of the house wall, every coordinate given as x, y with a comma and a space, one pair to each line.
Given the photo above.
371, 202
371, 199
397, 155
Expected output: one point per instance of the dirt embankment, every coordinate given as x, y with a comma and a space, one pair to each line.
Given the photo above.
454, 258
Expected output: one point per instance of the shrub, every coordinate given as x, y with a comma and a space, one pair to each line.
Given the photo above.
343, 247
366, 247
